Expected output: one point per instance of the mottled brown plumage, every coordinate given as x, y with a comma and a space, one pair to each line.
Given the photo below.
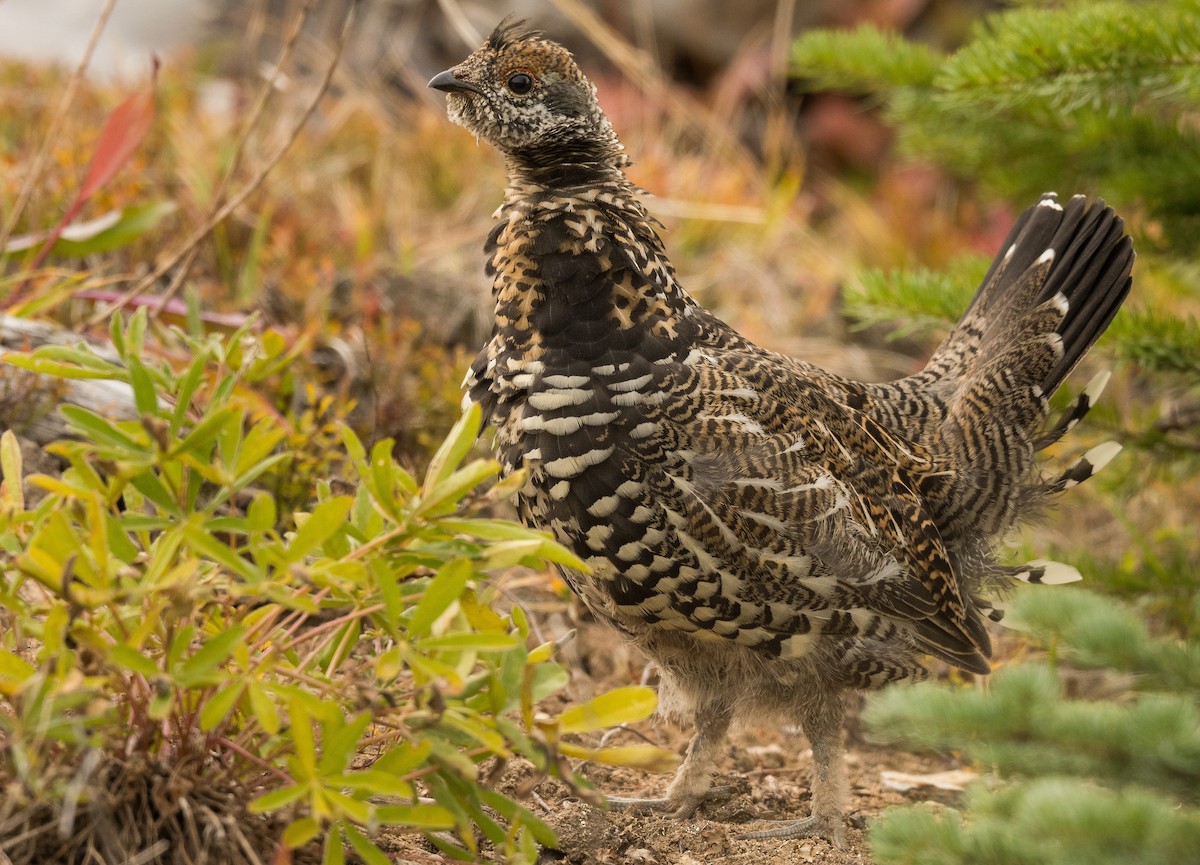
769, 533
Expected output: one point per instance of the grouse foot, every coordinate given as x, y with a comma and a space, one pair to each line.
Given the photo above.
828, 826
675, 807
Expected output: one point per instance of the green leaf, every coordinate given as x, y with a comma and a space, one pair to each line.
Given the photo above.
131, 659
14, 671
219, 705
300, 832
505, 554
262, 706
430, 817
261, 515
56, 369
645, 757
364, 847
324, 522
12, 494
189, 383
456, 446
135, 336
443, 590
480, 642
339, 742
449, 492
867, 60
335, 851
277, 799
205, 433
210, 548
491, 530
215, 651
548, 679
263, 438
376, 782
303, 743
514, 813
81, 355
100, 430
618, 706
152, 487
404, 758
144, 394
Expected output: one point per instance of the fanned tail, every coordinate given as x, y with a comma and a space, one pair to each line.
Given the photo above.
1046, 299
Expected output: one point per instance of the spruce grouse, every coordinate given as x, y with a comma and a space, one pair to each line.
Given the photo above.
769, 533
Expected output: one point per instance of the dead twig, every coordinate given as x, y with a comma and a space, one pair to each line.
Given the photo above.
187, 249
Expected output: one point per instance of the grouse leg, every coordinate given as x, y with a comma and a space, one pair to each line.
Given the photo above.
822, 722
692, 785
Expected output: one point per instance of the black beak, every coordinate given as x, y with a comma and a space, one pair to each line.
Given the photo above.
447, 82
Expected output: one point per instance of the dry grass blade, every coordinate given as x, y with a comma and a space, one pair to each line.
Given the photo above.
187, 251
60, 114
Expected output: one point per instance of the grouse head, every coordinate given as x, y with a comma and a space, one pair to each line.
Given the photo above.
525, 95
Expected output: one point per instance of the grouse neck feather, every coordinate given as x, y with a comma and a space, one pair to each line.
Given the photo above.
580, 270
584, 293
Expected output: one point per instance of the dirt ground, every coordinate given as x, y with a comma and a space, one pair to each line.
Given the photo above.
768, 767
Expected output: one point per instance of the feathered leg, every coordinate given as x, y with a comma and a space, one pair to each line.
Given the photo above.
822, 722
692, 785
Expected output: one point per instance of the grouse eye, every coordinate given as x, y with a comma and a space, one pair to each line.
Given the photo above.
519, 82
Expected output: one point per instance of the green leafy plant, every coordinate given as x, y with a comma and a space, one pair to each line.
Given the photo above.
337, 669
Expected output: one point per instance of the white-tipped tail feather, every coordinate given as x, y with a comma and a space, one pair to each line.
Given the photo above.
1047, 573
1096, 386
1101, 455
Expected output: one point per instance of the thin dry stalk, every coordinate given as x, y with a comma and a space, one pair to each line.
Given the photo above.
460, 22
60, 114
780, 132
640, 68
187, 250
239, 149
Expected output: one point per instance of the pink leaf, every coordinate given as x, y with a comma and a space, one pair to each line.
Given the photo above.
123, 132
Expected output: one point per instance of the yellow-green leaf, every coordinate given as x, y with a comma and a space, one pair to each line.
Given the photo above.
262, 705
364, 847
645, 757
277, 799
300, 832
131, 659
219, 705
447, 493
618, 706
389, 665
457, 445
325, 520
12, 496
476, 641
335, 852
14, 671
204, 662
422, 816
442, 591
508, 553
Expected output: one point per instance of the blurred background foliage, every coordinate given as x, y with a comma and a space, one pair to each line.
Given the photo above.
835, 194
1100, 97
